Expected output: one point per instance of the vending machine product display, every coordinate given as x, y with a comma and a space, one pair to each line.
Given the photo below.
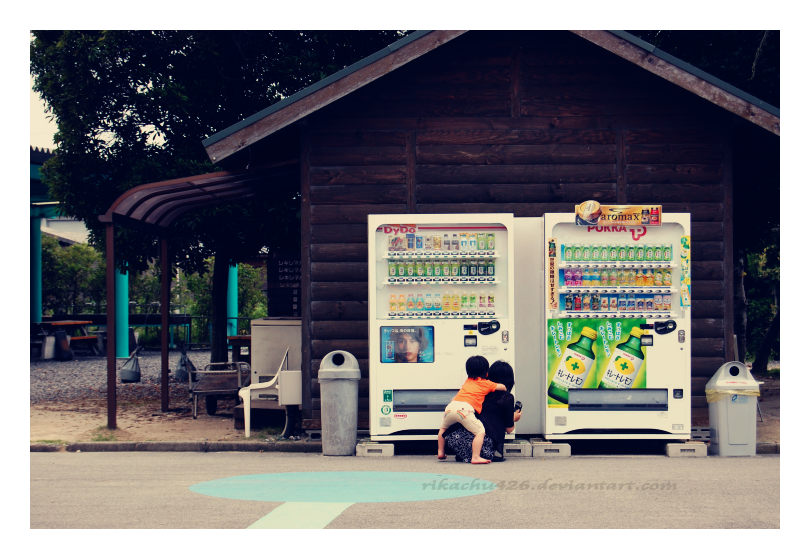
618, 328
440, 291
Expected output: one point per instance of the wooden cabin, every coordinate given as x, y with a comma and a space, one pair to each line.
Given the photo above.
509, 122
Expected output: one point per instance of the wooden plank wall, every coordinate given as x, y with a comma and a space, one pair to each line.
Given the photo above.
523, 123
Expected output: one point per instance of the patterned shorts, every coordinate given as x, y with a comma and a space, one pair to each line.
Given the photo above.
462, 412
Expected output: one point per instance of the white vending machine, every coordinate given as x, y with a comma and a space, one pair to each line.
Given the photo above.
441, 289
618, 326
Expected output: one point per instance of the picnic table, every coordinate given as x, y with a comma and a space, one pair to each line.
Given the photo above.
237, 343
78, 326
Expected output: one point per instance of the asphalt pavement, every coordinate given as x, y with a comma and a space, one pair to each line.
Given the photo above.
154, 490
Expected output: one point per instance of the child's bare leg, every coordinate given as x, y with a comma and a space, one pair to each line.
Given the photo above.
477, 443
441, 455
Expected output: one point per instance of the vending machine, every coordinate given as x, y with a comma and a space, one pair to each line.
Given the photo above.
618, 324
441, 289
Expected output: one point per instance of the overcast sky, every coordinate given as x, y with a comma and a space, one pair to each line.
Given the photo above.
42, 130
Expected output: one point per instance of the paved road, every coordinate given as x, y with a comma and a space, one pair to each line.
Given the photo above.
151, 490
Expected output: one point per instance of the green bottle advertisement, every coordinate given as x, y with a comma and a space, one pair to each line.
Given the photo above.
574, 366
624, 363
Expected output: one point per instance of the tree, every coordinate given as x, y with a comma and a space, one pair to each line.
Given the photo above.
72, 277
748, 60
132, 107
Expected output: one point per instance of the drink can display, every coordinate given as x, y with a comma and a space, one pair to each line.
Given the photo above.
482, 268
429, 269
667, 252
658, 277
577, 302
586, 253
577, 277
595, 303
392, 269
596, 251
410, 239
446, 244
454, 243
604, 253
640, 253
648, 253
446, 269
428, 242
482, 241
622, 253
568, 253
622, 278
667, 276
604, 278
569, 302
473, 268
586, 302
454, 268
640, 278
614, 303
586, 277
437, 242
622, 303
420, 242
658, 253
657, 302
464, 269
631, 253
411, 269
471, 241
604, 302
568, 276
631, 302
491, 268
613, 253
420, 269
649, 304
667, 303
401, 269
490, 241
577, 252
613, 274
462, 244
437, 269
648, 278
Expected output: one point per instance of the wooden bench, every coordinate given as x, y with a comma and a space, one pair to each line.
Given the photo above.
90, 342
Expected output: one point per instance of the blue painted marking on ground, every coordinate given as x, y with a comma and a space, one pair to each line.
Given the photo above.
344, 487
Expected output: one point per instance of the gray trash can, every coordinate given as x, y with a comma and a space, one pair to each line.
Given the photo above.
732, 395
339, 377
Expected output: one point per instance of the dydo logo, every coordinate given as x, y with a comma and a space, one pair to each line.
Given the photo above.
397, 229
400, 415
636, 232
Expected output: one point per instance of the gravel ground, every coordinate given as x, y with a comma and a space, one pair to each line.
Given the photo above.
85, 378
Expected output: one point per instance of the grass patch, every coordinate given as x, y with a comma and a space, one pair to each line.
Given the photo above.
771, 373
104, 435
268, 433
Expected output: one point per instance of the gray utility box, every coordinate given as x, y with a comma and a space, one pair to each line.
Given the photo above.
732, 395
269, 339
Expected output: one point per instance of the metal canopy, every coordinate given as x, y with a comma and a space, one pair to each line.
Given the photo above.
154, 207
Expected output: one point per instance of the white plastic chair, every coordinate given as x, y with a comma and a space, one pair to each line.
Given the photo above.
244, 393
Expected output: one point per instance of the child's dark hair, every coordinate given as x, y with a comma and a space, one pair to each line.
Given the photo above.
477, 366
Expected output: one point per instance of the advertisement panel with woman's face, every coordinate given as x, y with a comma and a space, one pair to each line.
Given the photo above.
406, 344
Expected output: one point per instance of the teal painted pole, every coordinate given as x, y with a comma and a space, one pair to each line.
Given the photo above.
36, 269
121, 314
233, 299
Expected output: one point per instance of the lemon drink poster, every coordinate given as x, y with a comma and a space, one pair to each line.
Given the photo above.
594, 353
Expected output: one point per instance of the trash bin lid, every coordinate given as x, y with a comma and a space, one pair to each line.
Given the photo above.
733, 376
339, 365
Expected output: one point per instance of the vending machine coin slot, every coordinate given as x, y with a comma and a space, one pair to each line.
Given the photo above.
470, 341
647, 340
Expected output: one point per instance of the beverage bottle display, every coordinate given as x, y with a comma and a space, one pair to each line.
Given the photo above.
577, 277
604, 253
624, 363
667, 276
473, 302
667, 303
428, 302
658, 277
577, 302
574, 366
437, 302
473, 268
604, 302
649, 253
614, 303
667, 252
411, 302
446, 269
622, 303
465, 302
454, 243
420, 242
437, 242
613, 252
482, 241
446, 304
462, 241
614, 277
604, 278
568, 277
640, 278
446, 243
401, 303
420, 269
631, 254
622, 278
428, 242
392, 269
568, 253
471, 241
482, 303
631, 302
569, 302
411, 269
454, 268
482, 268
648, 278
622, 253
392, 303
491, 268
586, 277
490, 241
658, 303
658, 252
455, 302
491, 303
577, 252
420, 302
655, 216
586, 302
464, 269
401, 269
586, 253
640, 253
429, 269
595, 301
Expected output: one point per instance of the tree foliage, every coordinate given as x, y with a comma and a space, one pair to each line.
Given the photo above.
73, 278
